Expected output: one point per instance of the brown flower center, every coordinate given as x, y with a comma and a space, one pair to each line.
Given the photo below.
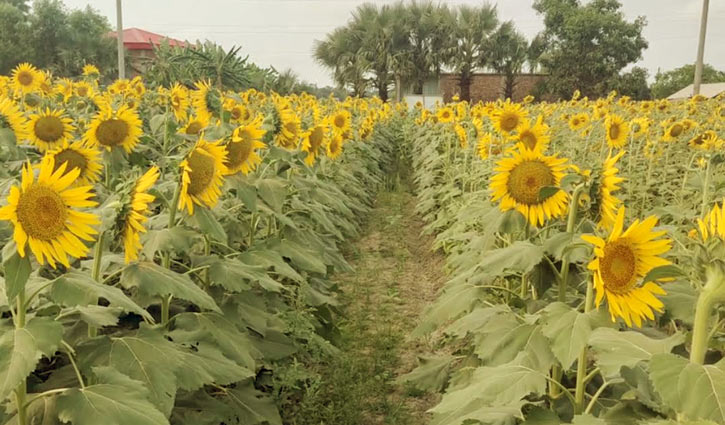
42, 212
614, 131
527, 179
202, 172
528, 138
618, 267
72, 158
49, 129
238, 152
112, 132
193, 128
676, 130
509, 122
25, 78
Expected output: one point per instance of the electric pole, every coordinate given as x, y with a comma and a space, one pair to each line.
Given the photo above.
119, 40
700, 49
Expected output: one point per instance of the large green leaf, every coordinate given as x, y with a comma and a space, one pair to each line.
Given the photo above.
487, 415
251, 406
518, 257
79, 289
614, 349
17, 271
568, 330
177, 239
234, 275
680, 301
209, 225
505, 337
154, 280
455, 301
302, 257
431, 375
20, 350
115, 400
273, 192
697, 391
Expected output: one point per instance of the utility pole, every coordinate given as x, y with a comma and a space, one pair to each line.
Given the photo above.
119, 40
700, 49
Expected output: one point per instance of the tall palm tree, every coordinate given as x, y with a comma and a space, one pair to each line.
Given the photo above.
508, 51
340, 52
374, 29
466, 49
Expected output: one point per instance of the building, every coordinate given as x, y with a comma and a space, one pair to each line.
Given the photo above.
709, 90
139, 45
485, 87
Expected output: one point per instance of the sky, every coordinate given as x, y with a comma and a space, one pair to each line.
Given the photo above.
281, 33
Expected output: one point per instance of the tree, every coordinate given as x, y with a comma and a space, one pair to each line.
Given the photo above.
374, 29
339, 51
468, 40
587, 45
667, 83
508, 52
632, 84
14, 33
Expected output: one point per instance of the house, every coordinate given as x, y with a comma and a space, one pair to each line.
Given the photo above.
484, 87
139, 45
709, 90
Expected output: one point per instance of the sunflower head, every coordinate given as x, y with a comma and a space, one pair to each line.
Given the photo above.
621, 262
617, 131
12, 118
604, 204
445, 114
242, 150
334, 146
49, 129
534, 136
114, 129
509, 117
202, 176
90, 70
45, 214
314, 142
26, 78
136, 213
519, 180
78, 156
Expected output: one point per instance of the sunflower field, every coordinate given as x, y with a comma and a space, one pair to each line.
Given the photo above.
585, 247
166, 252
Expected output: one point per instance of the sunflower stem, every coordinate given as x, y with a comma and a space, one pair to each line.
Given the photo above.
581, 367
706, 188
22, 390
96, 274
166, 259
570, 224
712, 294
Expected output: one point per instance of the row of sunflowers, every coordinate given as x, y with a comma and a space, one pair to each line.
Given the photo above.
585, 248
167, 251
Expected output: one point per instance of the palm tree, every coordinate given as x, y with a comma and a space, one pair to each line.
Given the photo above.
374, 29
340, 51
466, 50
508, 51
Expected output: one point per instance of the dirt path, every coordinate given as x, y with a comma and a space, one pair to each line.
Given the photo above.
396, 276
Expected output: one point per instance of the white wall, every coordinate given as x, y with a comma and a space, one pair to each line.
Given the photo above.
427, 101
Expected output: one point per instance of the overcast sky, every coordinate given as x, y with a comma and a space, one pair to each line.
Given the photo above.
281, 33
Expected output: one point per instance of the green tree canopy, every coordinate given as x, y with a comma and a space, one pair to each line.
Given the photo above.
669, 82
587, 44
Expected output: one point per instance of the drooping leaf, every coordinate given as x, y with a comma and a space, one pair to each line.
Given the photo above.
273, 192
431, 375
680, 301
115, 400
568, 330
587, 419
455, 301
154, 280
17, 271
209, 225
176, 239
697, 391
520, 256
302, 257
252, 406
79, 289
614, 349
21, 348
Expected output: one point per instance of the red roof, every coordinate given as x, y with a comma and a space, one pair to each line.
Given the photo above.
138, 39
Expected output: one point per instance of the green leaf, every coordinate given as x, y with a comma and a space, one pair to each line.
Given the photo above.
614, 349
670, 271
79, 289
99, 316
17, 271
20, 350
547, 192
455, 301
207, 365
697, 391
303, 258
489, 415
234, 275
680, 301
209, 225
505, 337
177, 239
568, 330
518, 257
273, 192
154, 280
541, 416
251, 406
115, 400
588, 419
431, 375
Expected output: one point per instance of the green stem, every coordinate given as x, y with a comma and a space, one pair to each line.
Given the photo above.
706, 188
21, 391
96, 274
252, 229
581, 368
166, 258
712, 294
570, 224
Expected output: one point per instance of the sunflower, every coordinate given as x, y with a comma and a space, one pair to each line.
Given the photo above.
334, 146
242, 149
484, 145
12, 118
639, 126
617, 131
536, 136
64, 87
713, 224
341, 121
26, 78
77, 156
704, 141
509, 117
674, 131
314, 141
195, 125
445, 115
461, 134
202, 175
179, 101
44, 215
608, 183
201, 100
83, 89
578, 121
620, 264
290, 129
137, 212
518, 182
121, 86
49, 129
109, 129
90, 70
